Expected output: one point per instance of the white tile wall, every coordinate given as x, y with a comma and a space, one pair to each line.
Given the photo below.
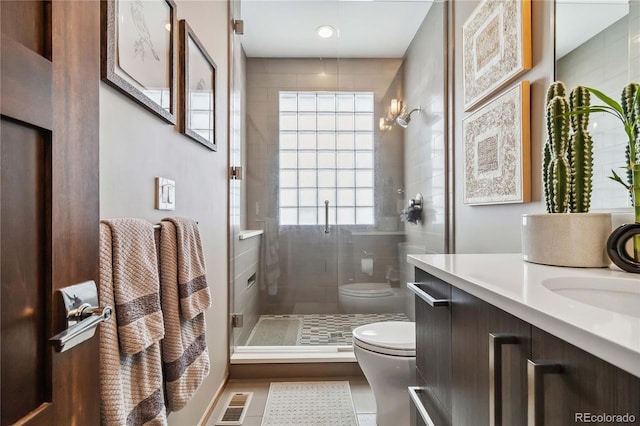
591, 65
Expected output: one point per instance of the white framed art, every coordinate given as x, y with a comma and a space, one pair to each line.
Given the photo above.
496, 150
496, 47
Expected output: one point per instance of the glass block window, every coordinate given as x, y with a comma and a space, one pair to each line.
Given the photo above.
326, 153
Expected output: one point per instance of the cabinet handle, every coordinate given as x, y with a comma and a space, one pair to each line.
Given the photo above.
535, 385
413, 393
496, 340
432, 301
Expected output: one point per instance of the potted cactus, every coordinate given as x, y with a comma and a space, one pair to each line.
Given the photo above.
628, 112
568, 235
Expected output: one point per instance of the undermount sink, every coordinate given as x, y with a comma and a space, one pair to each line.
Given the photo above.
621, 295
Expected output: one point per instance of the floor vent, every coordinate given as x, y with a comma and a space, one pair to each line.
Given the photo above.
235, 409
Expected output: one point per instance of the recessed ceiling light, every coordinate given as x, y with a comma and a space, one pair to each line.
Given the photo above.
325, 31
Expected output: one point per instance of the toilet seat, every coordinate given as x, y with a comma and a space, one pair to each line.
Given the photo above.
394, 338
366, 290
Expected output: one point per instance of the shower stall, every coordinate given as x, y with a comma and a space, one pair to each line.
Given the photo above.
317, 243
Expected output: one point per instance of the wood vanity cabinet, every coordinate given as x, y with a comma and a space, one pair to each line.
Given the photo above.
433, 349
490, 350
479, 365
584, 384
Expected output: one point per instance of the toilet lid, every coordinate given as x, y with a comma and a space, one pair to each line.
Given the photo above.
366, 290
391, 337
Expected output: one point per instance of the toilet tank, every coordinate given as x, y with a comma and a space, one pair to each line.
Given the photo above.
407, 274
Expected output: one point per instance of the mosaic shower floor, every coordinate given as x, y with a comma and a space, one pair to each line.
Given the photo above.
312, 330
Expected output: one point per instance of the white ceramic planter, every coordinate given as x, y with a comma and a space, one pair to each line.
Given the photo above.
566, 239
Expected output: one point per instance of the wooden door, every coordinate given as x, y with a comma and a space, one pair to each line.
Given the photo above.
473, 320
49, 82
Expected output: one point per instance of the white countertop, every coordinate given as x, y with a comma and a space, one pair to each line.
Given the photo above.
515, 286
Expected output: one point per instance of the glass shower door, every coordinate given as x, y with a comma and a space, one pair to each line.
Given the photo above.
323, 183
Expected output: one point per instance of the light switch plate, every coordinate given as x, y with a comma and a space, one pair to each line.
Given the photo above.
165, 194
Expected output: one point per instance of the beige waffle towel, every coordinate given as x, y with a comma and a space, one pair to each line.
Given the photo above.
130, 384
192, 281
184, 348
136, 285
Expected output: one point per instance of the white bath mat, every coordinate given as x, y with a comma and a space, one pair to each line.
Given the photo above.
275, 332
309, 404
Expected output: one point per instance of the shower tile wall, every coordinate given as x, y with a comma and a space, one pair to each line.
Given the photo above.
425, 137
313, 264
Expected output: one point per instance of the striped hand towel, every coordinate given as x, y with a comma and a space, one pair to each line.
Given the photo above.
184, 348
131, 387
192, 282
136, 285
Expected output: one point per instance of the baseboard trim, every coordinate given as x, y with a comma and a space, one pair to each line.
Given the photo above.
292, 370
216, 397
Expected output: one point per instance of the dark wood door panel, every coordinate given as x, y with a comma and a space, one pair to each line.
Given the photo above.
472, 322
25, 258
587, 384
51, 84
28, 23
25, 96
433, 341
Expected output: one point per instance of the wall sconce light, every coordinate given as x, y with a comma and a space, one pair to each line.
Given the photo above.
395, 108
385, 124
404, 119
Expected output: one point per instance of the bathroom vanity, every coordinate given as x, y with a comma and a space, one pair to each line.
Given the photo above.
503, 342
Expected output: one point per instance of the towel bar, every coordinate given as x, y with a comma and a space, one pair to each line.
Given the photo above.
157, 226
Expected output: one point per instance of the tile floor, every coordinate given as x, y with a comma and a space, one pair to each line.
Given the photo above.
363, 400
327, 329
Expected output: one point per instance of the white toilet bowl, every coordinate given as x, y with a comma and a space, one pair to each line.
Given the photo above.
370, 298
386, 353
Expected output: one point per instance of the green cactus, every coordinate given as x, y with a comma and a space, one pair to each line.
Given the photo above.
557, 88
557, 172
580, 153
545, 175
628, 112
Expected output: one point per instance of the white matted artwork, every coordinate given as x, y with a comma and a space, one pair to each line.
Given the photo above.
144, 43
496, 47
138, 52
496, 150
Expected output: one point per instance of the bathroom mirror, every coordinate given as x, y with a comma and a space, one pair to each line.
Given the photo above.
597, 44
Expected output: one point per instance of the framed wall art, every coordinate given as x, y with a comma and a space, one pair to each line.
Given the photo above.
197, 89
496, 47
139, 52
496, 150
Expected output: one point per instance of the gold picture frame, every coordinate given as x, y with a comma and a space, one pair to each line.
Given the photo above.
496, 47
496, 149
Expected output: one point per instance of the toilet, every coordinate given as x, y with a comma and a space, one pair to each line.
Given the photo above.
386, 353
370, 298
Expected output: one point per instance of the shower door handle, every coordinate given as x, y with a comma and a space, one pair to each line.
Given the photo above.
326, 216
